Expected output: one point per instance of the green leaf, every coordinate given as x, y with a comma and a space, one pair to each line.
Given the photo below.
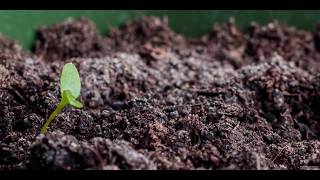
72, 100
75, 103
70, 80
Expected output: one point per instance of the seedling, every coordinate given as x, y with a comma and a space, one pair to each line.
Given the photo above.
70, 90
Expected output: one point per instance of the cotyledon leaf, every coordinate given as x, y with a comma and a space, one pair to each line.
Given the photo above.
70, 80
71, 100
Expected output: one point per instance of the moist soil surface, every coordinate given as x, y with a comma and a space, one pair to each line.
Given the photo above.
154, 99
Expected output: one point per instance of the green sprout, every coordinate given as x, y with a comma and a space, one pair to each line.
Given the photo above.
70, 90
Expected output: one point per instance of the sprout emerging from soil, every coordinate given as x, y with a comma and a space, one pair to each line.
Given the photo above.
70, 86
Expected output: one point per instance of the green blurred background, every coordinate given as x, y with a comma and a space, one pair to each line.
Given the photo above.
21, 24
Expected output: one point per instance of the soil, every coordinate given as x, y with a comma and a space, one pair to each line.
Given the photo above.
154, 99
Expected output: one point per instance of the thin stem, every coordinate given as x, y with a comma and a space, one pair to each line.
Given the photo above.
61, 105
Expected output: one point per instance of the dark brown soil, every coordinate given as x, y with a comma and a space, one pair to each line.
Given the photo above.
233, 99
